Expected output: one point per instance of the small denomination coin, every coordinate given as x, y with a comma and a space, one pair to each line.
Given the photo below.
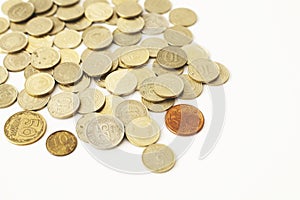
113, 20
158, 158
32, 103
183, 17
78, 86
125, 39
70, 13
132, 25
111, 102
135, 57
67, 73
41, 6
147, 90
129, 9
171, 57
159, 106
8, 4
154, 24
159, 70
178, 36
82, 123
64, 3
18, 27
203, 70
63, 105
17, 62
20, 12
67, 39
24, 128
29, 71
222, 78
97, 64
3, 75
39, 84
79, 25
168, 86
45, 58
105, 132
61, 143
86, 3
118, 2
69, 55
13, 42
154, 45
97, 37
158, 6
184, 120
58, 25
8, 95
35, 43
142, 74
195, 51
4, 25
50, 12
98, 12
192, 89
91, 100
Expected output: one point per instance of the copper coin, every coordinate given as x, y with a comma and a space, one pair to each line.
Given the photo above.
61, 143
184, 120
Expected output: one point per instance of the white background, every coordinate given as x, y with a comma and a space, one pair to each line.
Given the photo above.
258, 154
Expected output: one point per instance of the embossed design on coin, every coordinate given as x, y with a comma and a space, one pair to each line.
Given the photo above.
39, 26
203, 70
13, 42
20, 12
28, 102
61, 143
45, 58
8, 95
97, 37
171, 57
39, 84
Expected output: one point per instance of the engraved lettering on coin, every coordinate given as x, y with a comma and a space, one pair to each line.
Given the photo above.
61, 143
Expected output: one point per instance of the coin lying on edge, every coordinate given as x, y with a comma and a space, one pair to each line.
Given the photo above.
61, 143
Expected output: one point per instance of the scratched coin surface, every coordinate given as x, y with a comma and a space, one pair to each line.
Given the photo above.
24, 128
183, 17
20, 12
184, 120
3, 75
203, 70
91, 100
61, 143
39, 84
158, 6
67, 73
223, 77
45, 58
13, 42
171, 57
32, 103
17, 62
8, 95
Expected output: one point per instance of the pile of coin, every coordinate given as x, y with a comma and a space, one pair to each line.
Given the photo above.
128, 49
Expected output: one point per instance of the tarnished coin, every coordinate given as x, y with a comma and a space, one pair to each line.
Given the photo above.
50, 12
28, 102
129, 9
154, 45
111, 102
168, 86
20, 12
29, 71
35, 43
178, 36
142, 131
121, 82
154, 24
79, 25
45, 58
8, 95
105, 132
86, 3
64, 3
184, 120
63, 105
192, 89
69, 55
70, 13
67, 73
39, 84
135, 57
222, 78
97, 37
183, 17
118, 2
98, 12
203, 70
61, 143
158, 6
142, 74
58, 25
3, 75
195, 51
97, 64
13, 42
132, 25
91, 100
129, 110
67, 39
147, 90
159, 70
125, 39
158, 158
41, 6
8, 4
82, 123
171, 57
4, 25
24, 128
79, 86
159, 106
17, 62
18, 27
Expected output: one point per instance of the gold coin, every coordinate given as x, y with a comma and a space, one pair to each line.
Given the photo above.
222, 78
154, 24
91, 100
178, 36
24, 128
125, 39
97, 37
45, 58
20, 12
114, 59
154, 45
69, 55
183, 17
147, 90
203, 70
142, 74
67, 39
8, 95
111, 103
118, 2
13, 42
159, 70
70, 13
195, 51
79, 25
159, 106
158, 6
192, 89
171, 57
58, 26
98, 12
4, 25
136, 57
50, 12
32, 103
132, 25
114, 19
129, 9
35, 43
29, 71
61, 143
18, 27
63, 105
158, 158
39, 84
64, 3
82, 123
86, 3
79, 86
41, 6
17, 62
97, 64
100, 81
3, 75
168, 86
8, 4
67, 73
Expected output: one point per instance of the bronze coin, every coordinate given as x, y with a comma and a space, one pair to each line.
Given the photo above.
184, 120
61, 143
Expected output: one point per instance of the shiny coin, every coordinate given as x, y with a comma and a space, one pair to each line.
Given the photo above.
28, 102
125, 39
129, 9
91, 100
142, 131
79, 86
79, 25
97, 37
158, 6
159, 70
132, 25
65, 2
8, 95
61, 143
121, 82
159, 106
70, 13
97, 64
111, 102
142, 74
82, 123
58, 26
135, 57
20, 12
168, 86
3, 75
158, 158
18, 27
98, 12
222, 78
45, 58
67, 39
154, 24
35, 43
154, 45
192, 89
41, 5
183, 17
17, 62
171, 57
13, 42
69, 55
24, 128
63, 105
203, 70
8, 4
178, 36
4, 25
105, 132
195, 51
67, 73
147, 90
50, 12
29, 71
39, 84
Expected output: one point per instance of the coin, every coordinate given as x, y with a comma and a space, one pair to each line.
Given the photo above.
159, 70
45, 58
168, 86
158, 6
97, 64
154, 45
203, 70
67, 39
86, 3
50, 12
178, 36
142, 74
222, 78
129, 9
17, 62
29, 71
69, 55
105, 132
8, 95
135, 57
20, 12
183, 16
67, 73
97, 37
63, 105
195, 51
24, 128
121, 82
78, 86
41, 6
65, 2
18, 27
184, 120
154, 24
91, 100
111, 102
147, 90
61, 143
32, 103
3, 75
8, 4
4, 25
159, 106
82, 123
39, 84
70, 13
98, 12
114, 19
158, 158
192, 89
129, 110
13, 42
79, 25
171, 57
58, 26
118, 2
132, 25
125, 39
142, 131
35, 43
